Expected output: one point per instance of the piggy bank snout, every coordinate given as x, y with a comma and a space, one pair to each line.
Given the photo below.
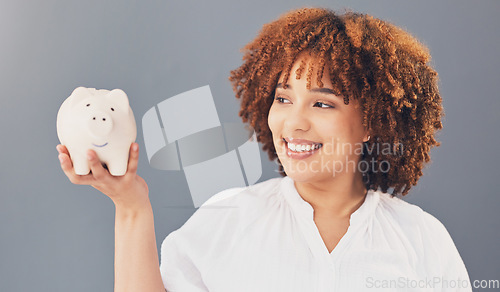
99, 124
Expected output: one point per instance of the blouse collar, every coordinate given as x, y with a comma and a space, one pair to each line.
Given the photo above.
305, 210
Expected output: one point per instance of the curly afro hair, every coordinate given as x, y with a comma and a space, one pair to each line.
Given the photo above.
370, 60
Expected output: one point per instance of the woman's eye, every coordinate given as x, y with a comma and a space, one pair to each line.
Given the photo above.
280, 99
323, 105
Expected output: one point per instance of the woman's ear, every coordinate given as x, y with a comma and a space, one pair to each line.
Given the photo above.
367, 136
367, 130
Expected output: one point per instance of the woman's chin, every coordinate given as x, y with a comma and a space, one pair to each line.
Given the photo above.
303, 175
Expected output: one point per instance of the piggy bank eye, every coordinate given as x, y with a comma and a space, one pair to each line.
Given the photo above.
88, 104
112, 109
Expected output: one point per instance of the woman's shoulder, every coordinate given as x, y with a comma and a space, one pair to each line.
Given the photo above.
407, 215
423, 233
430, 240
229, 211
256, 192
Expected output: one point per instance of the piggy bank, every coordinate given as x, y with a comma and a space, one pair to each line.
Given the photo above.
101, 120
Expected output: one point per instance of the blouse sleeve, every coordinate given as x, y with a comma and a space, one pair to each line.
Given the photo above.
178, 272
454, 273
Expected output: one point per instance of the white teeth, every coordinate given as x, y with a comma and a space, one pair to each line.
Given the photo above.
302, 148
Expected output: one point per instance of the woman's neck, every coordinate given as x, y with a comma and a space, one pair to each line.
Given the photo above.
335, 198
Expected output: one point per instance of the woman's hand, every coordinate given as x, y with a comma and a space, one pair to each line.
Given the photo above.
129, 191
136, 254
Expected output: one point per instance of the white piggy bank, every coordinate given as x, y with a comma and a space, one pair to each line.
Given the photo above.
101, 120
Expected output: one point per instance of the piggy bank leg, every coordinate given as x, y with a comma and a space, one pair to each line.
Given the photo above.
81, 165
118, 167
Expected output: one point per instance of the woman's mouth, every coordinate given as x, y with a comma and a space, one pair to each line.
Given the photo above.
301, 150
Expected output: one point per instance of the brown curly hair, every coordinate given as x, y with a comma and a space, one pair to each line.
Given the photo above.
370, 60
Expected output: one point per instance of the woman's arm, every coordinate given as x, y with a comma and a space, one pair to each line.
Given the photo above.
136, 257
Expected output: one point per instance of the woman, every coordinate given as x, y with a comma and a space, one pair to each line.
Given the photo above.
348, 107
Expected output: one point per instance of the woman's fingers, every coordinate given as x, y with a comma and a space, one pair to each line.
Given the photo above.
129, 190
67, 167
133, 159
62, 149
66, 164
98, 172
99, 175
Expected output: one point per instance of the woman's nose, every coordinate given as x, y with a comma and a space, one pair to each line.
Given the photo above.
297, 119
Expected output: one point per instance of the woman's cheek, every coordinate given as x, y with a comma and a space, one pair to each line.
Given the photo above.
272, 120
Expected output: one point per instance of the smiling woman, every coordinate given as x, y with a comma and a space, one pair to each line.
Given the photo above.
301, 118
324, 92
366, 60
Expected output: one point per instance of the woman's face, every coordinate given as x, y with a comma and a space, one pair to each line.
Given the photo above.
316, 119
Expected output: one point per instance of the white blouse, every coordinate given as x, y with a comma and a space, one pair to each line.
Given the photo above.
263, 238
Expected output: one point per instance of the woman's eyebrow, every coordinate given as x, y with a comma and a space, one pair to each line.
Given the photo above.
323, 90
318, 89
280, 85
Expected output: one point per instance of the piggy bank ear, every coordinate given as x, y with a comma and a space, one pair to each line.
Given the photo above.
119, 99
80, 93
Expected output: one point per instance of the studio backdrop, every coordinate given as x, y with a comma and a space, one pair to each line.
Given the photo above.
56, 236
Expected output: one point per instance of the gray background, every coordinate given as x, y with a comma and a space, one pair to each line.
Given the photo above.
55, 236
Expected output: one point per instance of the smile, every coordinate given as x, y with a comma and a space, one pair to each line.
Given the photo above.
303, 147
301, 151
100, 145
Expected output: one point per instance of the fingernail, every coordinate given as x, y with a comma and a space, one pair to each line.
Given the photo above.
60, 158
89, 156
135, 147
